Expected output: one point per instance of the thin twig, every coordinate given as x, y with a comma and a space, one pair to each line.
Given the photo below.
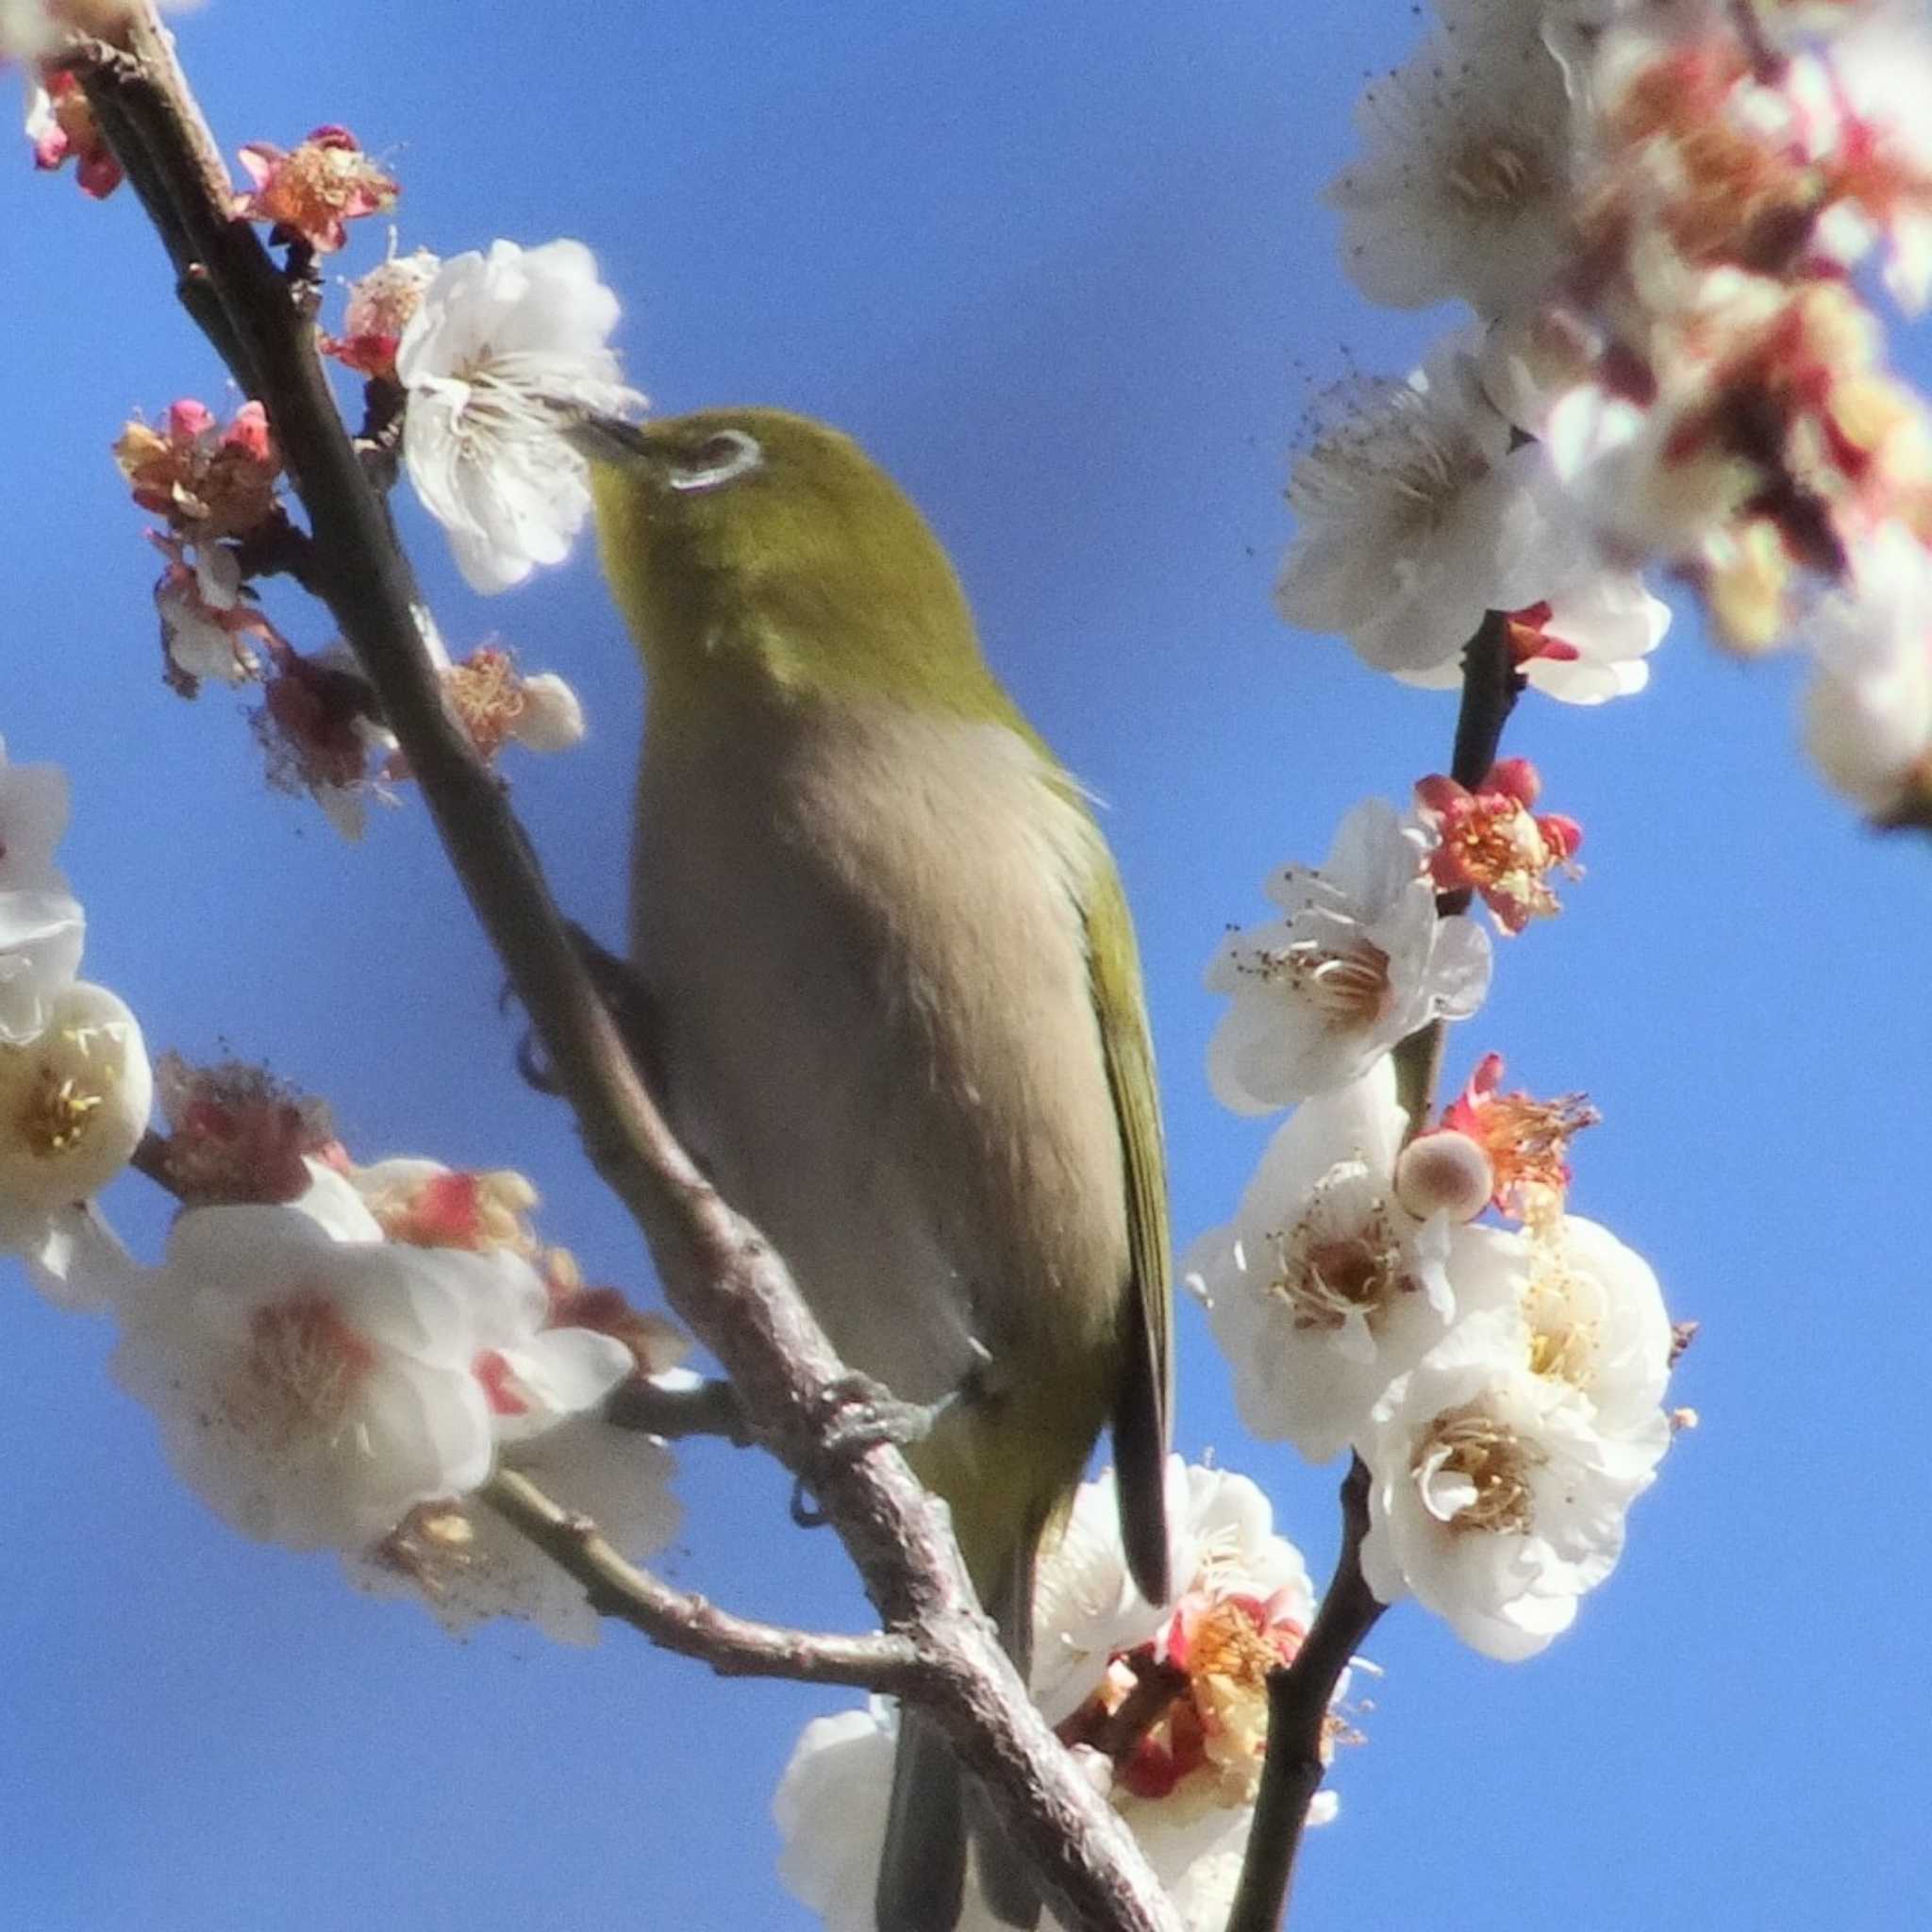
884, 1664
719, 1274
708, 1408
1298, 1700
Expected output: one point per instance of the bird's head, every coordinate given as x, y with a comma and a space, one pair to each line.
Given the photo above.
751, 543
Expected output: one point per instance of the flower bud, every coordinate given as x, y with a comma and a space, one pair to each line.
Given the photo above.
1444, 1171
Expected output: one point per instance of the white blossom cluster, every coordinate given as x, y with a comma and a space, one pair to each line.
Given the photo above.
1651, 207
1184, 1781
336, 1358
1422, 505
1504, 1384
75, 1088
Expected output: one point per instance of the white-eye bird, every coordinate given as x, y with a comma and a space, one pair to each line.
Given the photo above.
896, 1010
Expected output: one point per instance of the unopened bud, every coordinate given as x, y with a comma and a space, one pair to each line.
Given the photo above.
1444, 1172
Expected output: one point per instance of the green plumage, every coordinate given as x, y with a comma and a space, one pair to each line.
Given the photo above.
899, 1004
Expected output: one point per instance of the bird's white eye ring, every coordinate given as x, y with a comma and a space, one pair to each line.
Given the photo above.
720, 459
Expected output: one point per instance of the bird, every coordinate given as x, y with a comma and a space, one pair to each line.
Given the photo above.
895, 1010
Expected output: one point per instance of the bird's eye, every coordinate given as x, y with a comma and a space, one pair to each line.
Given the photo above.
719, 460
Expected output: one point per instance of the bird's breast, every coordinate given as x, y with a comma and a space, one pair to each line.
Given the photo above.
864, 934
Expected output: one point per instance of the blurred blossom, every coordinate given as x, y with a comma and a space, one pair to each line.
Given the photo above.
320, 732
310, 191
314, 1383
1414, 516
465, 1565
1868, 713
237, 1134
1464, 188
496, 343
76, 1099
41, 923
1324, 1286
1358, 961
1182, 1773
61, 127
1490, 843
209, 625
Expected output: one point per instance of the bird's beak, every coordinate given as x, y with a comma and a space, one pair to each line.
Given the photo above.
600, 439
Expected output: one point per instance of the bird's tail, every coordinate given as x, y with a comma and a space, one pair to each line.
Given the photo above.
935, 1807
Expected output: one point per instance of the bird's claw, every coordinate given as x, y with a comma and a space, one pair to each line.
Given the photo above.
864, 1414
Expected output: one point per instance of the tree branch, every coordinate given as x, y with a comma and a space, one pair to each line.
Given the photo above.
676, 1620
719, 1274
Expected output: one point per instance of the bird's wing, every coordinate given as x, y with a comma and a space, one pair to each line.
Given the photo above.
1141, 1420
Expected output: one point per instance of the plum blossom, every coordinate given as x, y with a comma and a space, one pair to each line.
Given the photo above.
466, 1565
42, 924
496, 343
1490, 843
1358, 961
379, 308
1415, 516
76, 1099
310, 191
209, 626
500, 706
1183, 1778
1323, 1288
208, 478
1868, 714
1496, 1497
236, 1133
1597, 1324
1583, 645
1526, 1141
61, 126
1465, 186
315, 1383
320, 732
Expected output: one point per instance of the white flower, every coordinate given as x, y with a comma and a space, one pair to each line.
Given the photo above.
1589, 642
1597, 1322
42, 924
1415, 516
1324, 1286
314, 1383
498, 341
76, 1100
1868, 714
1496, 1497
1244, 1605
1358, 961
1465, 186
552, 716
467, 1565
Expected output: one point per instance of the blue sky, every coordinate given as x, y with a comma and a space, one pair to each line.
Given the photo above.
1061, 268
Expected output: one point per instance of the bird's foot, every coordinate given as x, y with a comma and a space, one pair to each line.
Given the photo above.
864, 1414
622, 988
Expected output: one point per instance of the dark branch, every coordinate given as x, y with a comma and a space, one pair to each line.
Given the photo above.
1298, 1701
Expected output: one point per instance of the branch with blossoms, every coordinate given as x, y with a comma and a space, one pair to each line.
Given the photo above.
375, 1378
1655, 214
